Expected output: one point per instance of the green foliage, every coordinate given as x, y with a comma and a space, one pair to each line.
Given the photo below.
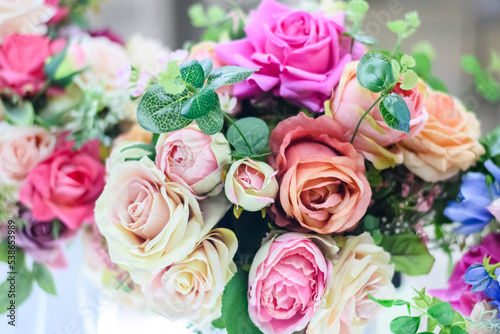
200, 104
408, 253
213, 122
217, 23
171, 80
485, 83
254, 130
20, 113
44, 278
442, 312
53, 69
375, 73
395, 112
491, 143
404, 28
228, 75
410, 80
235, 306
405, 325
205, 18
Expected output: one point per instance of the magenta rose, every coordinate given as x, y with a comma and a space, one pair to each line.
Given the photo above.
300, 56
288, 279
458, 292
22, 61
66, 185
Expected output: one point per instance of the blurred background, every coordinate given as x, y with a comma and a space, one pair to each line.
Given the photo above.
453, 27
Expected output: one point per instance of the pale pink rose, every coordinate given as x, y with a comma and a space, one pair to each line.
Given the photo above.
494, 209
448, 143
21, 149
251, 184
66, 185
24, 17
374, 138
192, 289
150, 223
361, 268
288, 280
193, 159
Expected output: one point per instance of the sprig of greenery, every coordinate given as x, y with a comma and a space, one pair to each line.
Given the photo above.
356, 12
485, 83
404, 28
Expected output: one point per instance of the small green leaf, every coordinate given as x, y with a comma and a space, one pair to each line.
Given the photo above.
197, 15
255, 132
213, 122
371, 222
459, 319
397, 27
208, 66
395, 112
215, 14
423, 66
410, 80
436, 84
431, 324
219, 323
192, 72
396, 68
228, 75
200, 104
412, 19
405, 325
20, 114
171, 79
53, 64
358, 7
457, 330
442, 312
373, 176
487, 86
408, 61
492, 143
387, 302
44, 278
374, 72
470, 64
367, 40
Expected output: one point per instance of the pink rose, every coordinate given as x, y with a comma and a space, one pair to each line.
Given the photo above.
22, 61
288, 279
458, 292
193, 159
66, 185
21, 149
300, 56
374, 138
322, 182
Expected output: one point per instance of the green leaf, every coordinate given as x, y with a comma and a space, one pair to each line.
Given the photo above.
255, 131
159, 112
374, 72
409, 254
235, 306
371, 222
373, 176
423, 66
212, 122
412, 19
207, 65
4, 250
442, 312
51, 67
436, 84
171, 79
397, 27
431, 324
410, 80
367, 40
24, 285
470, 64
197, 15
358, 7
228, 75
200, 104
44, 278
487, 86
219, 323
459, 319
408, 61
492, 143
215, 14
396, 68
387, 302
21, 114
395, 112
405, 325
458, 330
193, 73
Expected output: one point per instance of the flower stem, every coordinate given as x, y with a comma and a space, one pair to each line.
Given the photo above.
233, 123
363, 117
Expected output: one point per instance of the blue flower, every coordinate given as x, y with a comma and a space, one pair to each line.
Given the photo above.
475, 196
477, 276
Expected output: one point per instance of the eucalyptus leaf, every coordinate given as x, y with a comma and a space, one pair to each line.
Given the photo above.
442, 312
228, 75
207, 65
397, 27
365, 39
405, 325
200, 104
193, 73
213, 122
255, 132
44, 278
410, 80
374, 72
457, 330
395, 112
171, 80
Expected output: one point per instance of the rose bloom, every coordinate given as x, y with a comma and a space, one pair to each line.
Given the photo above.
288, 279
251, 184
458, 292
300, 56
21, 149
150, 223
66, 185
22, 62
448, 143
37, 239
322, 180
193, 159
192, 288
374, 138
362, 268
24, 17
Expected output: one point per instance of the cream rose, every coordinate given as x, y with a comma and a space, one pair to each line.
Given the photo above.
362, 267
447, 144
24, 17
192, 288
21, 149
150, 223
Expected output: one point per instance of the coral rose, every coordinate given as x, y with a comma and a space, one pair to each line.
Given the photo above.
362, 268
150, 223
447, 144
288, 279
374, 138
322, 180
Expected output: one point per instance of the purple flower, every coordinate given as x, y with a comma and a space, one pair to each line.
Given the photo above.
37, 239
475, 198
477, 276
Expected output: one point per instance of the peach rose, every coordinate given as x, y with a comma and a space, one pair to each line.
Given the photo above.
21, 149
362, 268
192, 288
193, 159
374, 138
150, 223
322, 180
447, 144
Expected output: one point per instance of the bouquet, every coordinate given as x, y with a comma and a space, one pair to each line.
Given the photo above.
290, 172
